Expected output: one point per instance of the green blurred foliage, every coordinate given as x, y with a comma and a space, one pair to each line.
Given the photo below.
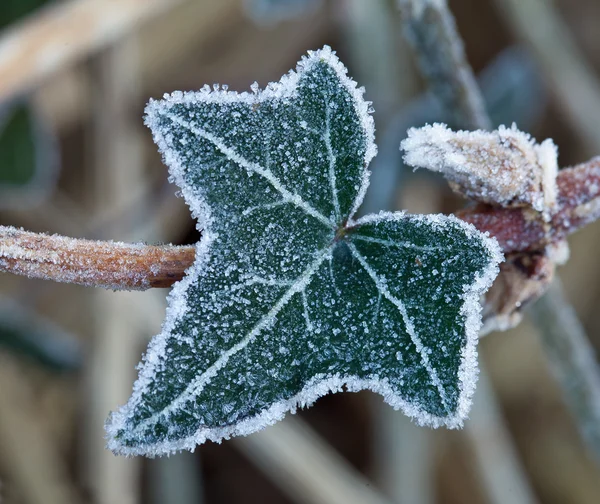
28, 146
17, 137
17, 148
29, 335
12, 10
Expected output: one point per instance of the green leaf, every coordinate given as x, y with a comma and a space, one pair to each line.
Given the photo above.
290, 298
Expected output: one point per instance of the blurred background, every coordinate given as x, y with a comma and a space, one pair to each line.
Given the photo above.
75, 159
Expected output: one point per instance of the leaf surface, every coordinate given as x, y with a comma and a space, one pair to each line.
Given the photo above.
290, 298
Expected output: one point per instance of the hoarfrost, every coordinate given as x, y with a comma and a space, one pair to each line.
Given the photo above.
504, 167
290, 298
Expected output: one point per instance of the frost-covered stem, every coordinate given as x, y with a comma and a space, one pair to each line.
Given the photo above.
578, 204
573, 361
137, 266
430, 28
112, 265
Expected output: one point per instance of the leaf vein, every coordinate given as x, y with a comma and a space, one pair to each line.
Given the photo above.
410, 328
399, 244
332, 160
267, 174
196, 386
309, 326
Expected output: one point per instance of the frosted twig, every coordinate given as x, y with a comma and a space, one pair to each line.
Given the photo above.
431, 30
577, 204
112, 265
137, 266
573, 361
577, 199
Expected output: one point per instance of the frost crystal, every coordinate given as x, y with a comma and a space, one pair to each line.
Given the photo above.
504, 167
290, 298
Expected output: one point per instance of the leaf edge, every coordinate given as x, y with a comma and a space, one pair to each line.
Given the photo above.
319, 386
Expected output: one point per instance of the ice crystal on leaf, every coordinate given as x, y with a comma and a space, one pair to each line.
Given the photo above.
290, 298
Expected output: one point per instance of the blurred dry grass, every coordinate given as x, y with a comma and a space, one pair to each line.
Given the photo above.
113, 185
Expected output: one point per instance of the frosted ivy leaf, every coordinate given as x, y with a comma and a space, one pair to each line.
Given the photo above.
290, 298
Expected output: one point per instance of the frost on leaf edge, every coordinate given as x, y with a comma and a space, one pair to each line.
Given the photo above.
468, 370
286, 87
320, 386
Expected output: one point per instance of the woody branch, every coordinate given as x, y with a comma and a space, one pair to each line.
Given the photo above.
122, 266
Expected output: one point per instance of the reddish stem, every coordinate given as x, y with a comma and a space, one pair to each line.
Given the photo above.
522, 230
137, 267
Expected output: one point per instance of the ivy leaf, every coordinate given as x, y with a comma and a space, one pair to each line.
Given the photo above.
290, 298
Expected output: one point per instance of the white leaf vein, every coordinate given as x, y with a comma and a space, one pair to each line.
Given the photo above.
267, 206
399, 244
267, 174
272, 282
309, 326
196, 386
410, 328
332, 161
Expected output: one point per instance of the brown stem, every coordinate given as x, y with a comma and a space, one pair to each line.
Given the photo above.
122, 266
521, 230
112, 265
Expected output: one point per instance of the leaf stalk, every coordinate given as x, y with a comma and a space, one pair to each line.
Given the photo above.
122, 266
112, 265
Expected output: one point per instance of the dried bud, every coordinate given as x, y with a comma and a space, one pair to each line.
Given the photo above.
505, 167
523, 278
